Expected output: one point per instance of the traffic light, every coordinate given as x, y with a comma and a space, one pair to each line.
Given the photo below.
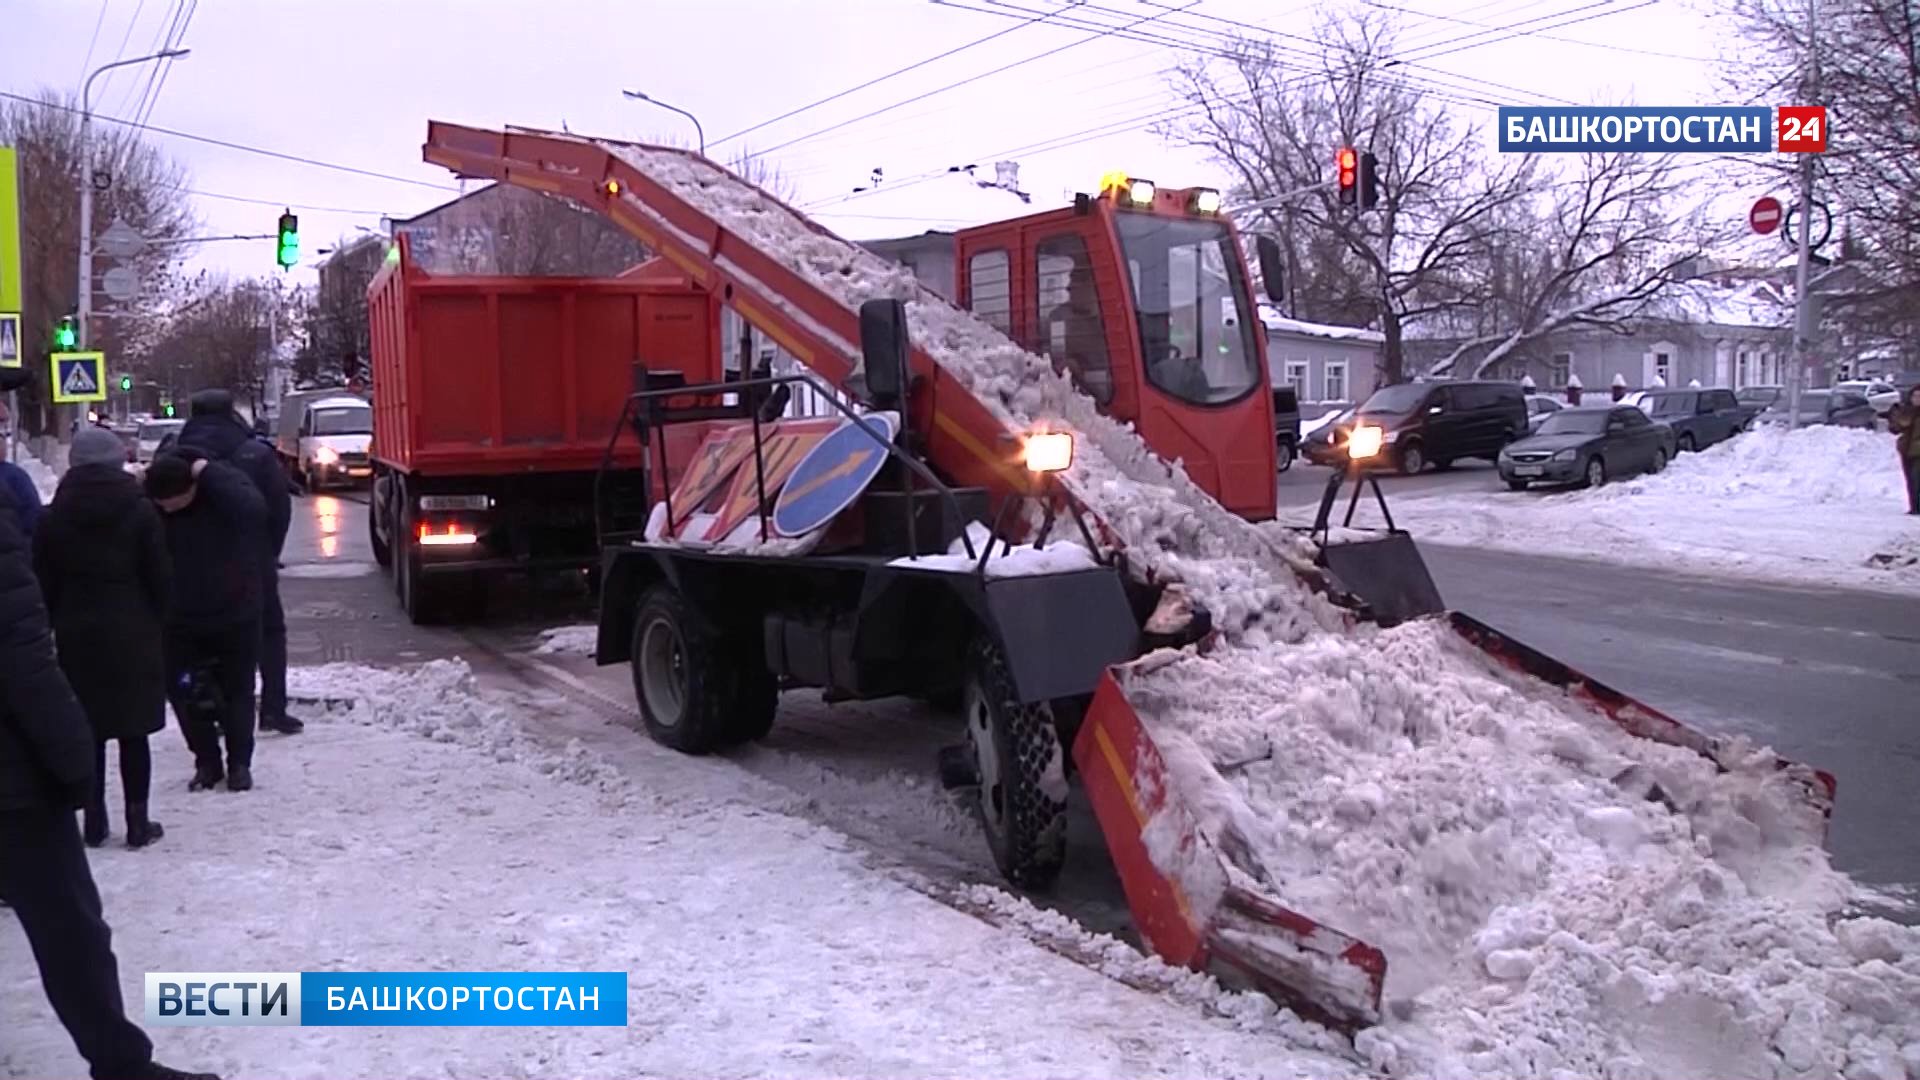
66, 335
1348, 164
167, 409
126, 383
1369, 181
289, 252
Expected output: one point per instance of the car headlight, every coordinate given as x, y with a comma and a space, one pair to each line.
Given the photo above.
326, 455
1566, 455
1364, 442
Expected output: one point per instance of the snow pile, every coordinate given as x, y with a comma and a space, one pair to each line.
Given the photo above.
1171, 528
579, 640
1819, 464
1007, 560
44, 479
438, 700
1553, 895
1819, 505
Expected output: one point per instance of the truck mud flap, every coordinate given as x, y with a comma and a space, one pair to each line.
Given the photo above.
1060, 632
1215, 914
1385, 574
1634, 717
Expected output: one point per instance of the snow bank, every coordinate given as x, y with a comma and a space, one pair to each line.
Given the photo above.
420, 829
43, 477
1555, 898
569, 641
1553, 895
1819, 505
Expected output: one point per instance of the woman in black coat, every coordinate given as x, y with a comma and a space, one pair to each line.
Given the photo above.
101, 556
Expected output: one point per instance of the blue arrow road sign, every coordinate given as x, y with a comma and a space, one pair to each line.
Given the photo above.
832, 475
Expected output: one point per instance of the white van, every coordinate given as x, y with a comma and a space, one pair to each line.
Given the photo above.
325, 438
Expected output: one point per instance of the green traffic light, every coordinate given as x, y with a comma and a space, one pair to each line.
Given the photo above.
289, 251
168, 409
126, 382
66, 336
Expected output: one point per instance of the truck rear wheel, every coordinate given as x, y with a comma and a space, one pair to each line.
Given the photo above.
697, 692
1022, 768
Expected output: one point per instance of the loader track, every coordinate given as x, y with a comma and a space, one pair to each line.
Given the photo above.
1068, 925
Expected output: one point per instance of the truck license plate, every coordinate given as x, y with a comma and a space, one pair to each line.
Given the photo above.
456, 502
1528, 470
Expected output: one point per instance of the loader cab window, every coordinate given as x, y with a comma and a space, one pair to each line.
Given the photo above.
1072, 333
1196, 331
990, 289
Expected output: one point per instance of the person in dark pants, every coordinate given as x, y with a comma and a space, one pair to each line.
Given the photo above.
46, 773
1905, 422
101, 557
214, 521
217, 432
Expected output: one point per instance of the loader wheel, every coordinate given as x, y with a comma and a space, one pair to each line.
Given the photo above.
1022, 766
697, 693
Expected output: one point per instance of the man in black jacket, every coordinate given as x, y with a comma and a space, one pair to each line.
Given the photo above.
46, 772
214, 522
217, 432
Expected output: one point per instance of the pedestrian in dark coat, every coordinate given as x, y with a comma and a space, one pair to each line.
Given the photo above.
215, 430
214, 520
46, 773
101, 557
1905, 422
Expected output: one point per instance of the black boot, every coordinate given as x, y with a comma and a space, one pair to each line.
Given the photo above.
141, 829
153, 1070
206, 777
239, 778
93, 823
284, 725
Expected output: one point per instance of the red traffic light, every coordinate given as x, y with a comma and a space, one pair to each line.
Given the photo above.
1348, 163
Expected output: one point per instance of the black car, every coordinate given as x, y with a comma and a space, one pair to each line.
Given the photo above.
1699, 418
1286, 426
1442, 422
1327, 443
1588, 446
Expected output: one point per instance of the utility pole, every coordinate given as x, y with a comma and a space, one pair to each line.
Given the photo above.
1805, 313
84, 303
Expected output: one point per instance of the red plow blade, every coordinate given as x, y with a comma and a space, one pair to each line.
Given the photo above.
1213, 913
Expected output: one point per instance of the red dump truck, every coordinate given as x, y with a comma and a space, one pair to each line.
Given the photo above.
495, 400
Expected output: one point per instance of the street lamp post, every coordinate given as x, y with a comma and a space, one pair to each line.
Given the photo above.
85, 303
697, 129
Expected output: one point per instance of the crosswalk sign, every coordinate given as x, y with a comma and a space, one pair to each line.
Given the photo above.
9, 340
79, 376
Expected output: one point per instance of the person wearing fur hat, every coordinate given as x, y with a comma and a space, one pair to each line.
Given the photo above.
101, 556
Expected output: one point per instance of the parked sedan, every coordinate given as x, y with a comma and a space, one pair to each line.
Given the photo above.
1840, 408
1539, 407
1588, 446
1880, 394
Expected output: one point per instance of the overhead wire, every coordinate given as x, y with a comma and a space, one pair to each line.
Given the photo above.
1583, 42
87, 61
166, 21
192, 7
955, 85
810, 106
228, 144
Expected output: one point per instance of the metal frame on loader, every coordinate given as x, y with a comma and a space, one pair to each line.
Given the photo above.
860, 626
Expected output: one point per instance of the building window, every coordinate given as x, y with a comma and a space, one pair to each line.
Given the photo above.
1297, 377
990, 289
1561, 370
1663, 369
1333, 381
1740, 377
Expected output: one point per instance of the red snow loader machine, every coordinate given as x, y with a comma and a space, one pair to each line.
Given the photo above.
914, 541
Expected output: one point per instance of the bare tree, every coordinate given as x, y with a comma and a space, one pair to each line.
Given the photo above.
1595, 247
137, 184
224, 337
1277, 127
764, 173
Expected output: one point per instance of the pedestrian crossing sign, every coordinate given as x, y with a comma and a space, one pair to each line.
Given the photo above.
9, 339
79, 376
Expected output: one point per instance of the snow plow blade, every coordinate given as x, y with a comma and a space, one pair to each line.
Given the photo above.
1634, 717
1216, 914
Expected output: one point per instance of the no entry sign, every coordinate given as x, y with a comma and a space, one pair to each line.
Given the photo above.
1765, 215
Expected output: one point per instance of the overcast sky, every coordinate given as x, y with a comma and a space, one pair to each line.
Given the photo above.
354, 82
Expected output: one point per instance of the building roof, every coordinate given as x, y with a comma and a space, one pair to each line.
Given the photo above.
1274, 321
